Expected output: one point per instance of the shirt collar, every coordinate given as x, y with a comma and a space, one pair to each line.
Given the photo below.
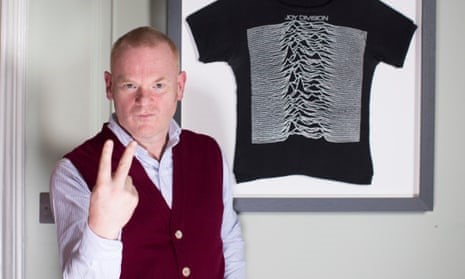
174, 132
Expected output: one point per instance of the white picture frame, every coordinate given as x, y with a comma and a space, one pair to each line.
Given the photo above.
398, 185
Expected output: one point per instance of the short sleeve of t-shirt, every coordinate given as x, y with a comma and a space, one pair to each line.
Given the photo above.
391, 34
212, 28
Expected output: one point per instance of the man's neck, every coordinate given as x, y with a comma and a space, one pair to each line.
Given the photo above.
155, 148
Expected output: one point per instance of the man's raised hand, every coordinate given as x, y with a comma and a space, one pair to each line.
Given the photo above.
114, 197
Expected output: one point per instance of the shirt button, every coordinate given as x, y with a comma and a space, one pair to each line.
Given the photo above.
186, 271
178, 234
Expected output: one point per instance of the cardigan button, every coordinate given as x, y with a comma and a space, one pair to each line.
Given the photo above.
178, 234
186, 272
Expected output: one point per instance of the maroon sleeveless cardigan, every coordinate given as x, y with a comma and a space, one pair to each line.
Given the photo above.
159, 242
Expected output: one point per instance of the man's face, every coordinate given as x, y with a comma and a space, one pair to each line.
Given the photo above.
145, 86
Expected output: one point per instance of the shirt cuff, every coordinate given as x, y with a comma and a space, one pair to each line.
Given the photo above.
97, 248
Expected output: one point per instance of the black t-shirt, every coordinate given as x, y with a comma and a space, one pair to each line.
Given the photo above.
303, 71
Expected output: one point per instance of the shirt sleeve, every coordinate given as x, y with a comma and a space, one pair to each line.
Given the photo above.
391, 33
213, 30
82, 253
233, 244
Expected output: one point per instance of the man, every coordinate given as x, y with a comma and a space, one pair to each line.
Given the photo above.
168, 212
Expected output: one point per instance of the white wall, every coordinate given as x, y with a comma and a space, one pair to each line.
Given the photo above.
63, 107
68, 50
65, 103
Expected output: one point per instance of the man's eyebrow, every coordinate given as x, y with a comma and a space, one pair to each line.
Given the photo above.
121, 78
160, 79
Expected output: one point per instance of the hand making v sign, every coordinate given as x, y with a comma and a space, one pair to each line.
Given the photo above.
114, 197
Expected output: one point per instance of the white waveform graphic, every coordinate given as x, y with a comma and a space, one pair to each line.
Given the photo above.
306, 80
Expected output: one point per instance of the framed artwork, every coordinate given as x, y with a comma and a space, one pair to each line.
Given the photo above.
401, 125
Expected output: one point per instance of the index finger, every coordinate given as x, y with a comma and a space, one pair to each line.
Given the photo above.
104, 167
125, 162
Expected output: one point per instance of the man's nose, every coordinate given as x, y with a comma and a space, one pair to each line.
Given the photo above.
143, 95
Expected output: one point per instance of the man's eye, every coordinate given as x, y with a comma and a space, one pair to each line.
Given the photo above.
129, 86
159, 86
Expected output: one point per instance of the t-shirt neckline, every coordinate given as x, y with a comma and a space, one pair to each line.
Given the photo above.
305, 4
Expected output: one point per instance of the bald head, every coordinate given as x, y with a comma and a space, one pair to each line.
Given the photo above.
142, 37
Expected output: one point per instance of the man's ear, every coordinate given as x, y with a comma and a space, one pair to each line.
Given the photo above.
181, 84
108, 84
